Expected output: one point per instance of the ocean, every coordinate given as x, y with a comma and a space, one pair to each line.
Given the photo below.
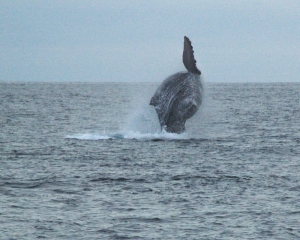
88, 161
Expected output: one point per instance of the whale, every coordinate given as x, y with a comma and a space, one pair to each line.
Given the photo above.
179, 96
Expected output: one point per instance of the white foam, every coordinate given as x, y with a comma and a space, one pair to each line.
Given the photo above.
149, 136
129, 135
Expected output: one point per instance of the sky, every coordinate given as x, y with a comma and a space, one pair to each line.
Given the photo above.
142, 40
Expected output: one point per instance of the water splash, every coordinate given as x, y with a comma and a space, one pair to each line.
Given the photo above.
130, 135
142, 122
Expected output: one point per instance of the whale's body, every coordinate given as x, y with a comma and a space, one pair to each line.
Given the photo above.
179, 96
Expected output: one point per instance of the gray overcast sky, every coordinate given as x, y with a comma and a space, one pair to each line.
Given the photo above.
142, 41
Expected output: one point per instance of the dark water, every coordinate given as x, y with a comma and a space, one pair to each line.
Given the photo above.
87, 161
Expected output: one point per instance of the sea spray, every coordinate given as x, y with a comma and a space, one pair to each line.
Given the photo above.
142, 118
130, 135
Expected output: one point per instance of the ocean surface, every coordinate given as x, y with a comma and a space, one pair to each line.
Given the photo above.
88, 161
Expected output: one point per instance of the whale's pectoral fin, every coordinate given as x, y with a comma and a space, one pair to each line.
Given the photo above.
188, 57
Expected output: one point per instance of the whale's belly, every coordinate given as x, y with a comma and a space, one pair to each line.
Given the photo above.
177, 99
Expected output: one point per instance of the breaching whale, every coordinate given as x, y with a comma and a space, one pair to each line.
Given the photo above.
180, 95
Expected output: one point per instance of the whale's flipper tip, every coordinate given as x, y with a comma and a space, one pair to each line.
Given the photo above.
188, 57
